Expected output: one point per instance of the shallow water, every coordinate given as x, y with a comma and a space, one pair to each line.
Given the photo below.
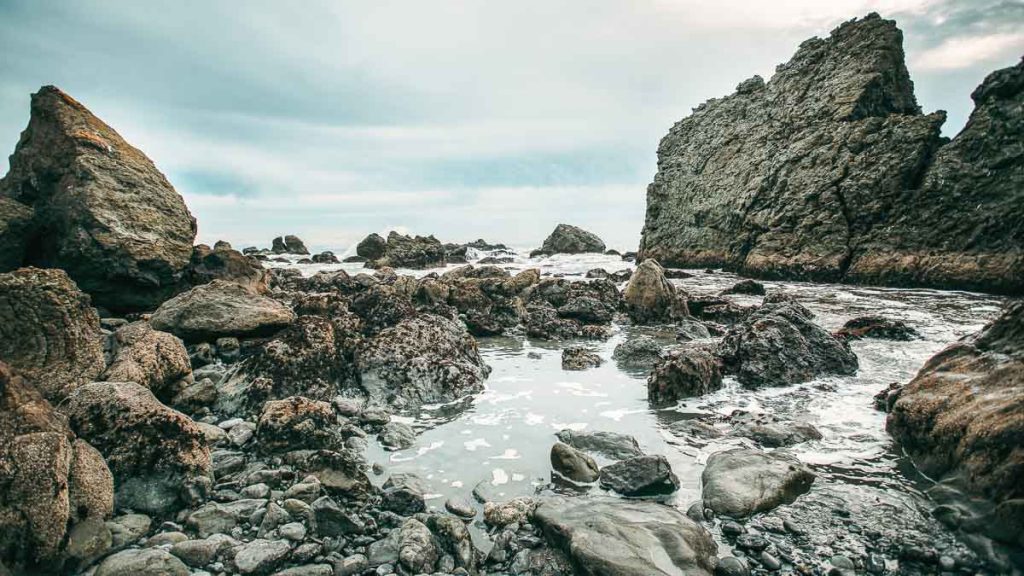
502, 437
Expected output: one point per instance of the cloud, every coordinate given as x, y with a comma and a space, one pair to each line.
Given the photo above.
966, 51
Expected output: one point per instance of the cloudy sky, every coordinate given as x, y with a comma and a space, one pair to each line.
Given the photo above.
461, 119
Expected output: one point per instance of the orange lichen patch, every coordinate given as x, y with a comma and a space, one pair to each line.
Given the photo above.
64, 96
90, 139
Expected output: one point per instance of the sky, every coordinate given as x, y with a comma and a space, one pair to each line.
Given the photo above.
331, 120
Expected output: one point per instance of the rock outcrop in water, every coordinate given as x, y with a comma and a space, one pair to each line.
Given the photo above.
829, 171
100, 209
401, 251
289, 244
568, 239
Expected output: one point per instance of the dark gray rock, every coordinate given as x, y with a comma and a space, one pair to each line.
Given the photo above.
640, 476
397, 436
876, 327
637, 352
401, 251
224, 263
685, 373
15, 232
608, 444
749, 287
568, 239
741, 482
573, 464
288, 245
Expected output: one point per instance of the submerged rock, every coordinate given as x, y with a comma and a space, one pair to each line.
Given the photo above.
579, 359
741, 482
101, 209
852, 179
749, 287
573, 464
220, 308
779, 344
640, 476
876, 327
651, 298
568, 239
626, 538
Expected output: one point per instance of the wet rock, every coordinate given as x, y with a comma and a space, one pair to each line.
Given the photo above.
579, 359
686, 373
640, 476
401, 251
15, 232
608, 444
959, 415
156, 360
650, 298
199, 553
144, 562
372, 247
128, 528
425, 359
416, 549
568, 239
261, 556
48, 331
876, 327
741, 482
637, 352
460, 507
749, 287
573, 464
220, 308
732, 566
780, 344
325, 257
403, 494
690, 329
288, 245
718, 309
626, 538
332, 520
152, 450
296, 423
771, 432
102, 211
515, 511
397, 436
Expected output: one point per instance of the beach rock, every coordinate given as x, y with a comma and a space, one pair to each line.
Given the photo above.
154, 452
144, 562
605, 536
852, 178
325, 257
373, 247
416, 549
15, 232
637, 352
779, 344
220, 308
748, 287
49, 332
401, 251
288, 245
608, 444
568, 239
156, 360
742, 481
102, 211
769, 431
261, 556
579, 359
876, 327
397, 436
686, 373
573, 464
650, 298
296, 423
424, 359
640, 476
959, 416
224, 263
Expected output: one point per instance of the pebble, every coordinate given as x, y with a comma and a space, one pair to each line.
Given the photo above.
769, 561
293, 531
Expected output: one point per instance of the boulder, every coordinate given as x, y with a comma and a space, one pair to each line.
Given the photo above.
637, 352
829, 171
224, 263
396, 436
424, 359
102, 211
325, 257
769, 431
154, 452
748, 287
567, 239
288, 245
373, 247
605, 536
686, 373
295, 423
157, 360
15, 232
49, 332
742, 481
579, 359
959, 418
608, 444
640, 476
876, 327
144, 562
573, 464
220, 308
650, 298
779, 344
401, 251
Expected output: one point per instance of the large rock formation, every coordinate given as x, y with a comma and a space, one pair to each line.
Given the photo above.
101, 209
568, 239
963, 415
829, 171
401, 251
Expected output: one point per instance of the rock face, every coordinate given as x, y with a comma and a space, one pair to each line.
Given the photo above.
567, 239
224, 263
157, 360
780, 344
650, 297
742, 481
605, 537
102, 211
15, 228
964, 411
48, 331
153, 451
829, 171
220, 308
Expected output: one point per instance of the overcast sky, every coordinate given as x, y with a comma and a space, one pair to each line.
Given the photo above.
461, 119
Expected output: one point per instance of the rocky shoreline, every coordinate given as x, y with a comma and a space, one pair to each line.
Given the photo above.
170, 409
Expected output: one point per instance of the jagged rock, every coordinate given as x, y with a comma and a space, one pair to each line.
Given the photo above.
608, 444
295, 423
325, 257
288, 245
650, 297
557, 308
15, 232
48, 331
829, 171
626, 538
579, 359
876, 327
780, 344
224, 263
638, 352
567, 239
424, 359
573, 464
157, 360
52, 483
153, 451
960, 416
102, 211
685, 373
640, 476
741, 482
401, 251
220, 308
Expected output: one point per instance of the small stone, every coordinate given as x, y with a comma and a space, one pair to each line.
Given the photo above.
293, 531
769, 561
351, 565
731, 566
730, 528
261, 556
460, 507
754, 542
260, 490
